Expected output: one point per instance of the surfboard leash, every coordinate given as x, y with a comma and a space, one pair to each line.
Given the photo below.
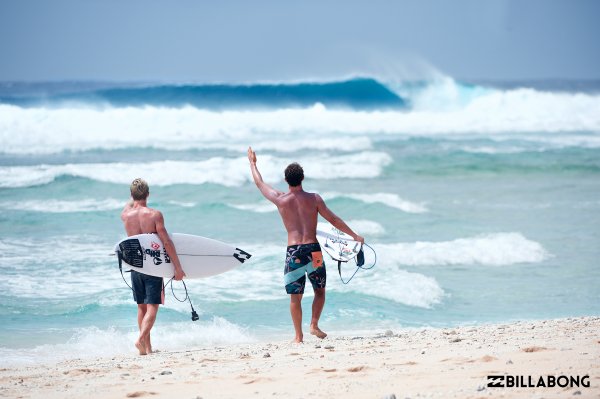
359, 264
195, 316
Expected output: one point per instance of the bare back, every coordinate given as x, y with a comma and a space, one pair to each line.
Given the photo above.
140, 220
299, 211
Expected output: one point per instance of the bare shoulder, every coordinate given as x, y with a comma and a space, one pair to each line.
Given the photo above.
282, 199
126, 212
154, 213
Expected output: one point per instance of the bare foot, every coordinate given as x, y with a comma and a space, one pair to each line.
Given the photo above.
298, 340
317, 331
148, 348
140, 347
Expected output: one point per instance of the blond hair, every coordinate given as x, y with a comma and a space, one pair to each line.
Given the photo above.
139, 189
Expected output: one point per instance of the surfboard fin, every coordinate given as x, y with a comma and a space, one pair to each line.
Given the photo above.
360, 257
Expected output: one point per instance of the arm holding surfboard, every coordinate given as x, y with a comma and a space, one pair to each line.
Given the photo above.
168, 245
140, 219
335, 220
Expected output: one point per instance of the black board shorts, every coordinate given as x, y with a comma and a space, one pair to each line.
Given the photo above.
147, 289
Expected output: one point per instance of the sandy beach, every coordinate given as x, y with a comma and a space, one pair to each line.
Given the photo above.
441, 363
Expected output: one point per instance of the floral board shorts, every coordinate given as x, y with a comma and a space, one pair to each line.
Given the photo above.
302, 260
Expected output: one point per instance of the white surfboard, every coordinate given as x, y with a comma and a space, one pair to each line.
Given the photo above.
199, 256
339, 245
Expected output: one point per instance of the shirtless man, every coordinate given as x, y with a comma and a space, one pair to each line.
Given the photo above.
299, 211
147, 290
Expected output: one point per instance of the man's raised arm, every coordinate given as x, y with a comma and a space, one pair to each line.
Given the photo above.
335, 220
269, 192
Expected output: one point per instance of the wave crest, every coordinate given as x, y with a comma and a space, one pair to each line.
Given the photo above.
230, 172
498, 249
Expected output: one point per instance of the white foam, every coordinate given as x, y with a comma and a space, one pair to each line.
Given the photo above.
333, 144
218, 170
384, 281
498, 249
366, 227
93, 342
388, 199
260, 207
61, 206
37, 262
493, 150
486, 112
183, 204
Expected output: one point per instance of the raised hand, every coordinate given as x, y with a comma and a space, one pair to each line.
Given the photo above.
251, 155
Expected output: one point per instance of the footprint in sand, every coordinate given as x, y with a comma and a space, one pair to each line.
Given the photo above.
138, 394
356, 369
534, 349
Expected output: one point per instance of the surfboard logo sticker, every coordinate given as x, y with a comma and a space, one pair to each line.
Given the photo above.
241, 255
154, 254
155, 245
346, 251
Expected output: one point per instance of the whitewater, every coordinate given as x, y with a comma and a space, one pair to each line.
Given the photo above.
481, 200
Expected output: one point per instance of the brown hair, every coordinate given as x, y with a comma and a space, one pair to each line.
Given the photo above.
294, 174
139, 189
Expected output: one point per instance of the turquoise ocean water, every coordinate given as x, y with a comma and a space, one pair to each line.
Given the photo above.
482, 202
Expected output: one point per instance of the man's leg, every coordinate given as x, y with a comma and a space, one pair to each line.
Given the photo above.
140, 344
147, 324
317, 308
296, 311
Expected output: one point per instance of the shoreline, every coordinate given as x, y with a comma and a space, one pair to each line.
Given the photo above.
412, 362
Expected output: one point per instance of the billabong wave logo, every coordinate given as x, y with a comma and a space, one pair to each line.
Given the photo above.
548, 381
495, 381
241, 255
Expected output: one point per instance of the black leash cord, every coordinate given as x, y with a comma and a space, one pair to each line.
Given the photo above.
187, 297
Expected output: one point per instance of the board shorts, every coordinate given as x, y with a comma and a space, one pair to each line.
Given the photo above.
147, 289
302, 260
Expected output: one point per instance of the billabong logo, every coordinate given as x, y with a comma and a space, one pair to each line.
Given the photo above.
241, 255
495, 381
548, 381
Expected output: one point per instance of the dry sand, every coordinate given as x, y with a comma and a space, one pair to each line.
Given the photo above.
439, 363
